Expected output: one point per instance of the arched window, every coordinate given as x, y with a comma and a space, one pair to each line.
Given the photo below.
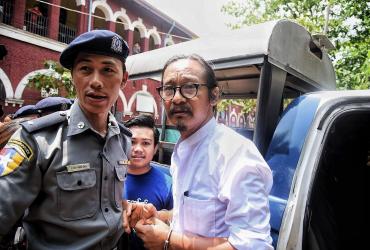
99, 20
151, 43
67, 21
120, 29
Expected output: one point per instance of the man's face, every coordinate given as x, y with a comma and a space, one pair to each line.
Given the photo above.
188, 115
97, 80
142, 149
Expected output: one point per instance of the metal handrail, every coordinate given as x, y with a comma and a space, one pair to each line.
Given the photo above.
36, 23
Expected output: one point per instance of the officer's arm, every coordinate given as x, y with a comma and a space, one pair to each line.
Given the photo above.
20, 178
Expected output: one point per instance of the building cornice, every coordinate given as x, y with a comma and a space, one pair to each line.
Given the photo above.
150, 8
27, 37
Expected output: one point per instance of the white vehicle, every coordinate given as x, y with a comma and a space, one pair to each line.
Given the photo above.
318, 147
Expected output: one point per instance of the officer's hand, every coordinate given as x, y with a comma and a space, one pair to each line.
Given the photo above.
126, 211
153, 232
133, 212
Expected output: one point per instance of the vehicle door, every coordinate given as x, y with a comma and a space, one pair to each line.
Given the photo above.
318, 154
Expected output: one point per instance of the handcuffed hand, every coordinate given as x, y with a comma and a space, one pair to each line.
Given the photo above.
153, 232
135, 211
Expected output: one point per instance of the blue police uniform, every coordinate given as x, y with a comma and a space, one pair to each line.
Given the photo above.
66, 174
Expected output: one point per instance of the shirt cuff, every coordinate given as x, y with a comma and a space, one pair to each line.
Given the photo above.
242, 239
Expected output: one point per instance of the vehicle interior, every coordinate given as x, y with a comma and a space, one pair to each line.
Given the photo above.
265, 61
337, 214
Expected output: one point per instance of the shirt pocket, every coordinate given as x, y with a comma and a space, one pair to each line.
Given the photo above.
200, 216
120, 177
77, 194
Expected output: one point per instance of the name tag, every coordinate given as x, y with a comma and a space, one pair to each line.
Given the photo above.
124, 162
78, 167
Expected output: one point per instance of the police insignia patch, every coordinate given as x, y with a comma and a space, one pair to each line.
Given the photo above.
116, 44
22, 147
10, 160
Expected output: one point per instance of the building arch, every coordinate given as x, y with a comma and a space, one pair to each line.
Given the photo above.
168, 41
124, 17
141, 27
241, 120
9, 93
233, 120
81, 2
104, 7
133, 97
123, 99
154, 33
23, 83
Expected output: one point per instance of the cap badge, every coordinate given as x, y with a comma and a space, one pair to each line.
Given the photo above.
64, 106
116, 44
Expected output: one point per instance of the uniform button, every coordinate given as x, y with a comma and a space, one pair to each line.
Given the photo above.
79, 182
62, 113
106, 210
81, 125
105, 178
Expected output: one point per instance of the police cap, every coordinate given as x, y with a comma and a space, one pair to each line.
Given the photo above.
101, 42
25, 111
53, 104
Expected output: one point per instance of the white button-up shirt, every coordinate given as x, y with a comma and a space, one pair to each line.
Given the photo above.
220, 186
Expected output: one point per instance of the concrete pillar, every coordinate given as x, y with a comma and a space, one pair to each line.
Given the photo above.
130, 39
144, 44
53, 19
19, 11
111, 26
82, 19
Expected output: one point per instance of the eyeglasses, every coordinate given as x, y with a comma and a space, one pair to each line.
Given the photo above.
188, 91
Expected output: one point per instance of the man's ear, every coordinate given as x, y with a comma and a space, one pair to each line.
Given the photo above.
73, 82
215, 95
156, 148
124, 80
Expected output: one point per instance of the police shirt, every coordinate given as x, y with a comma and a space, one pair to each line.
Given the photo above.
69, 177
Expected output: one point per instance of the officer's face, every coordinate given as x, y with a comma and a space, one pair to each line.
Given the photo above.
97, 80
142, 149
188, 115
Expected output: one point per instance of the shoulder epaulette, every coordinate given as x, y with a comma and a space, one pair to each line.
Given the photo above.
44, 122
124, 130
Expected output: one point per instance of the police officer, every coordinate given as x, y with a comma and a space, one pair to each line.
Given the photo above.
26, 111
67, 169
52, 104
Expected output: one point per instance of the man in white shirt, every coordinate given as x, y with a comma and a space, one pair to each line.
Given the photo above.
220, 180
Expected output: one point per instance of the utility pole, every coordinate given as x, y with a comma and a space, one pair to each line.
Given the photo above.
90, 13
169, 31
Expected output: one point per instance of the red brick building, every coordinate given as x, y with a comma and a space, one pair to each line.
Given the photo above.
35, 31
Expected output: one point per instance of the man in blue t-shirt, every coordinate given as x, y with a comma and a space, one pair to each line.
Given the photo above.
146, 181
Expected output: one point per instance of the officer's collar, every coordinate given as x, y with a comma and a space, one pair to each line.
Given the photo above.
78, 122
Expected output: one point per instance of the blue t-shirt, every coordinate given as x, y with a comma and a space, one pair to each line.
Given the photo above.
153, 187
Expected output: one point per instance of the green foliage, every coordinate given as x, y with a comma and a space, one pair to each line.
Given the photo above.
57, 78
348, 28
247, 104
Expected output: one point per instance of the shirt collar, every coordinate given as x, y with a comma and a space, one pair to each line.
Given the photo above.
200, 134
78, 122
